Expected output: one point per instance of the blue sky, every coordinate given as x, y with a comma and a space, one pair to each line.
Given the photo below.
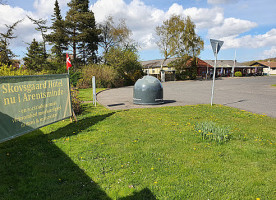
247, 26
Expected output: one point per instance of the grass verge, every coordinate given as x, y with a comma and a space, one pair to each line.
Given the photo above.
153, 153
87, 94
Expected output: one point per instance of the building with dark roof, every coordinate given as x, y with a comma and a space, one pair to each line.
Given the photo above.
153, 67
269, 68
204, 68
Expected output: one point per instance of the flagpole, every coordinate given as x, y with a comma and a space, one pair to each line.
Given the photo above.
68, 65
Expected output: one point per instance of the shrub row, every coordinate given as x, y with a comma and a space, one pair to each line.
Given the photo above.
106, 77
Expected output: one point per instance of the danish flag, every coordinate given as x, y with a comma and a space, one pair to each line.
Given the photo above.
68, 62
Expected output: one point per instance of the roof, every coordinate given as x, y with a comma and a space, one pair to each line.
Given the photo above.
203, 63
157, 63
265, 64
223, 63
209, 63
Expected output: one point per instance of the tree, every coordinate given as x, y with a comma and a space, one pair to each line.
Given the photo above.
35, 59
41, 26
125, 62
58, 37
89, 36
5, 53
177, 38
192, 43
114, 35
82, 31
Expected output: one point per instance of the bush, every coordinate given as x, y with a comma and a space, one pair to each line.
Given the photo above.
125, 62
57, 68
76, 102
182, 75
6, 70
238, 74
74, 78
186, 68
106, 77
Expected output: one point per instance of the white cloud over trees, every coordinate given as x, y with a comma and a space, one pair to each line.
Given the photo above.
142, 20
231, 27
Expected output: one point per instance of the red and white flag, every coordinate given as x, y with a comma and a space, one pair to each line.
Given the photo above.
68, 62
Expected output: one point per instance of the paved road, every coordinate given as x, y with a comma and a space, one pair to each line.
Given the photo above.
254, 94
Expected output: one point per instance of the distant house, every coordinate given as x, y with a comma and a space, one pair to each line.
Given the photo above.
153, 68
224, 68
205, 68
269, 68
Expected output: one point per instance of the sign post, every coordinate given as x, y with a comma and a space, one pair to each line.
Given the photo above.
94, 91
31, 102
68, 65
216, 45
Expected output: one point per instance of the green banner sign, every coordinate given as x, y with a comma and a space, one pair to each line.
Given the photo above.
30, 102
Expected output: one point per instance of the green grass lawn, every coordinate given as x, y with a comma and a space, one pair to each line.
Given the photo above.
274, 85
87, 94
137, 154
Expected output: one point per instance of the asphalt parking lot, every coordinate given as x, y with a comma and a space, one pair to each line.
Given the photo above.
254, 94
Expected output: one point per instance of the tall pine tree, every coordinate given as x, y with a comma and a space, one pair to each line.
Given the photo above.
58, 37
41, 26
82, 31
6, 54
35, 58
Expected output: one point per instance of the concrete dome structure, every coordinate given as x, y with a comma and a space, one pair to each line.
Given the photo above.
148, 90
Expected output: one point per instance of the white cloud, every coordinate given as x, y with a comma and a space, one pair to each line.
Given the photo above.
249, 41
222, 1
142, 19
175, 9
231, 27
23, 30
267, 39
6, 10
104, 8
204, 17
45, 8
271, 53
